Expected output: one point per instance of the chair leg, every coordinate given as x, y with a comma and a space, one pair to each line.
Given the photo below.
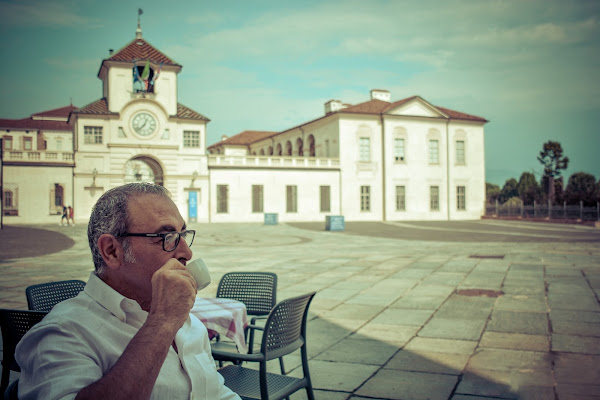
282, 367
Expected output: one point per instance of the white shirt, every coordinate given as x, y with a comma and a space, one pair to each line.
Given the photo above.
83, 337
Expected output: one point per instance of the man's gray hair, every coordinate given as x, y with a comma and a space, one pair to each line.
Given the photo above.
110, 215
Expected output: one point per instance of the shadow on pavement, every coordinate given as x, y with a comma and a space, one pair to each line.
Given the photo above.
20, 242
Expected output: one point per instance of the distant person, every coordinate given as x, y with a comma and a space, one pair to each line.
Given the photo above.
71, 216
65, 215
129, 334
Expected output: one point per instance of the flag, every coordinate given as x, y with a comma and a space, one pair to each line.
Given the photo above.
155, 77
140, 11
136, 75
146, 71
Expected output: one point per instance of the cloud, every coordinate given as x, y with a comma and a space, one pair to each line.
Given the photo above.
40, 13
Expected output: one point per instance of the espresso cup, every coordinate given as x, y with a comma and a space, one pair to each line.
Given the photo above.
199, 272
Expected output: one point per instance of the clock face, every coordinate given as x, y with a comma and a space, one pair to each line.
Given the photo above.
144, 124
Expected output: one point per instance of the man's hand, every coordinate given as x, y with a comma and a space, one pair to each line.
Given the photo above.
173, 294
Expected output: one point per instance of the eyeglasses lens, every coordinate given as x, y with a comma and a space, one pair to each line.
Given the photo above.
172, 239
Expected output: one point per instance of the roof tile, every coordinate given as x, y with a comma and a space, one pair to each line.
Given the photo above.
139, 49
245, 138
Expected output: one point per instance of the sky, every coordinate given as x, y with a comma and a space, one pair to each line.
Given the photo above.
530, 67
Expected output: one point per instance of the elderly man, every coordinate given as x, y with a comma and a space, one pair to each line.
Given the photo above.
129, 333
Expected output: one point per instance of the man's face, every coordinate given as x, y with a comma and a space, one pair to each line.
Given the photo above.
151, 214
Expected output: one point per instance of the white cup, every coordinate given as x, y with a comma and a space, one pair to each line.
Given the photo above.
199, 272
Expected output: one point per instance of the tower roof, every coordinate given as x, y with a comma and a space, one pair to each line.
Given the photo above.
139, 49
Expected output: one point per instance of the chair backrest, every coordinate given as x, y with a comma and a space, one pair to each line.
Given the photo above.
44, 296
257, 290
285, 329
14, 324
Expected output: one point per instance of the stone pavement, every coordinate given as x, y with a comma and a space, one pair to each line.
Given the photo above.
446, 310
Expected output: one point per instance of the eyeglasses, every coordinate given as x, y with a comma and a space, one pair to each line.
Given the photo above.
170, 240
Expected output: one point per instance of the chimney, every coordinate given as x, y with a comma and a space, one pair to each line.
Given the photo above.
333, 106
110, 52
224, 137
380, 94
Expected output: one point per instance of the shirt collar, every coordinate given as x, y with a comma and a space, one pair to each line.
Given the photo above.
110, 299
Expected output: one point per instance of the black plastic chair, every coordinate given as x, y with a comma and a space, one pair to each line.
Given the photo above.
258, 291
44, 296
14, 324
284, 333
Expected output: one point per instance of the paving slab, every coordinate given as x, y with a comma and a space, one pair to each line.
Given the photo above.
339, 376
453, 328
403, 385
531, 323
576, 344
370, 352
419, 344
428, 361
397, 316
397, 335
505, 360
515, 341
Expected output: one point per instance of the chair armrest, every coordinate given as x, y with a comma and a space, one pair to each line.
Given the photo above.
221, 355
254, 319
257, 327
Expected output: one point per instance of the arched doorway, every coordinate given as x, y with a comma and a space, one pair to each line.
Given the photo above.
300, 146
143, 169
288, 148
311, 146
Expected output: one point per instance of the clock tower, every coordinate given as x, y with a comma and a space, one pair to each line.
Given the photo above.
138, 131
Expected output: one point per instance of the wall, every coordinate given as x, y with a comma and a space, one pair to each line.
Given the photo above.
240, 183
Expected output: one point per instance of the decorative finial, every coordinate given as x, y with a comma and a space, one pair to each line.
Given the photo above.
138, 31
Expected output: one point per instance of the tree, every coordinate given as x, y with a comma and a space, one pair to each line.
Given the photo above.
509, 190
582, 187
528, 188
492, 192
551, 157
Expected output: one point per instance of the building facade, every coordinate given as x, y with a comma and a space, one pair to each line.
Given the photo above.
375, 161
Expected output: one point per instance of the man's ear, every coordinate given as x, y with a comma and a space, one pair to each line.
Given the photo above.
111, 250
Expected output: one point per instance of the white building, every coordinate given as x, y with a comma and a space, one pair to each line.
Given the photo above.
378, 160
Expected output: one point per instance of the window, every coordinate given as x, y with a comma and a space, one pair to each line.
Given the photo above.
325, 198
27, 143
399, 150
461, 198
257, 198
460, 152
8, 198
8, 142
58, 195
400, 198
222, 198
92, 134
59, 144
291, 199
191, 138
434, 152
327, 151
365, 149
365, 198
434, 198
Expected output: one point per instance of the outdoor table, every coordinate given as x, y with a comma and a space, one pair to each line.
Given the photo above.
225, 317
